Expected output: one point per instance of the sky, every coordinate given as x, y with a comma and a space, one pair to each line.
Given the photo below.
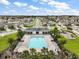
39, 7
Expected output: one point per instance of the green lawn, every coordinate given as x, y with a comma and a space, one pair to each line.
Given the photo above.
72, 44
29, 26
4, 41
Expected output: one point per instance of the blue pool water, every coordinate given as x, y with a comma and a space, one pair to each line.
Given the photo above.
37, 42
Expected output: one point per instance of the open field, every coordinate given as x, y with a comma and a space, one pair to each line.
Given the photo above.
72, 44
4, 41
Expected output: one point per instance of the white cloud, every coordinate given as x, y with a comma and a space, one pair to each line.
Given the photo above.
57, 12
33, 7
61, 8
43, 12
56, 4
73, 12
10, 12
59, 5
42, 0
45, 0
5, 2
19, 4
5, 12
63, 12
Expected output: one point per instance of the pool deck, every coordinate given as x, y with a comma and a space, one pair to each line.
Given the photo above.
51, 44
25, 41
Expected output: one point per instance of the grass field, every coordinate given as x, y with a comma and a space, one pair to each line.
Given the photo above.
72, 44
4, 41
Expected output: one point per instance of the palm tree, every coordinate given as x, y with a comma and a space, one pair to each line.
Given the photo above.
25, 55
45, 52
51, 55
20, 34
40, 56
33, 53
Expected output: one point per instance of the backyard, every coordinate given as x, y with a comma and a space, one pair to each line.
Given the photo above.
4, 44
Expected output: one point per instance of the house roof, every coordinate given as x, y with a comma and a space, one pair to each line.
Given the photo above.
36, 29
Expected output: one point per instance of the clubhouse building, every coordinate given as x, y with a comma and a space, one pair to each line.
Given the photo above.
37, 31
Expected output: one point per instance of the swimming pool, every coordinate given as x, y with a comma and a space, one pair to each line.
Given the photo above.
37, 42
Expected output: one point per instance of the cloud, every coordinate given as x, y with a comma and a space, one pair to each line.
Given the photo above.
59, 5
63, 12
5, 12
19, 4
73, 12
44, 0
42, 11
9, 12
61, 8
56, 4
33, 7
5, 2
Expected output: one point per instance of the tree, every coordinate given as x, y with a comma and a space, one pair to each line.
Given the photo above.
25, 55
56, 33
50, 55
40, 56
74, 56
20, 34
45, 52
10, 41
33, 53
